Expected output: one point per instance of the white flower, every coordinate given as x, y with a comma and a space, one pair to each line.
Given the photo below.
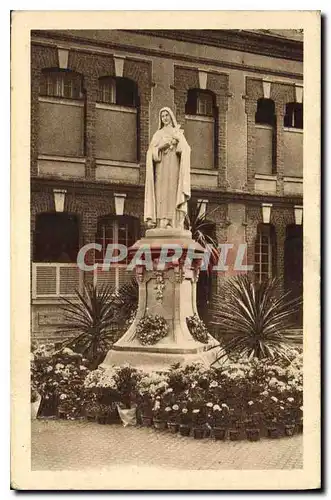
274, 399
63, 396
216, 407
167, 408
210, 405
281, 407
175, 407
195, 410
290, 400
184, 410
82, 368
49, 369
213, 384
224, 405
250, 403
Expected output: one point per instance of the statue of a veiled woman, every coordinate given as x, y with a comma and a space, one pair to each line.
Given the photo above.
167, 187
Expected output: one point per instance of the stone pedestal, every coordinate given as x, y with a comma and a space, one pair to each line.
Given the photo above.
175, 303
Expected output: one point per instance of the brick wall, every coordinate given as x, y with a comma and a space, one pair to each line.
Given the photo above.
91, 67
218, 83
281, 94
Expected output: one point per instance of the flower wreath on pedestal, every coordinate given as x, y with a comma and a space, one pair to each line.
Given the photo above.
151, 329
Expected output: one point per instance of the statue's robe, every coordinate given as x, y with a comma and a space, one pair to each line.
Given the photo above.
168, 186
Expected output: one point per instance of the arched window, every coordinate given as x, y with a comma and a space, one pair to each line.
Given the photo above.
122, 230
61, 83
120, 91
293, 115
115, 230
201, 128
265, 112
117, 120
265, 252
56, 238
265, 137
61, 115
200, 102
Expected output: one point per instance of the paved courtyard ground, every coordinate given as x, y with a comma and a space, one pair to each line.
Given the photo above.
66, 445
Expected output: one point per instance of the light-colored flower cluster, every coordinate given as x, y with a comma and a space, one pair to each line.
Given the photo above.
153, 384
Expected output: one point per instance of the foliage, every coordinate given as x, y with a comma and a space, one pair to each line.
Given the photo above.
61, 376
126, 301
256, 319
197, 328
150, 329
92, 316
111, 384
202, 230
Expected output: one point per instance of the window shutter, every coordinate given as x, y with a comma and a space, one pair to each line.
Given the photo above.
45, 280
69, 280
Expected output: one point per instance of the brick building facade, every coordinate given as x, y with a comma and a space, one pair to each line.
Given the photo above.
95, 97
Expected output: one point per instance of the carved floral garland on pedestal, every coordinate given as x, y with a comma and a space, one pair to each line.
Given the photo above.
151, 329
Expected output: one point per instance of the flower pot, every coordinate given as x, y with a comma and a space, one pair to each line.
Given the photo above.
300, 427
173, 427
35, 408
253, 434
184, 430
234, 434
146, 421
289, 429
91, 418
273, 432
102, 419
159, 424
198, 432
219, 433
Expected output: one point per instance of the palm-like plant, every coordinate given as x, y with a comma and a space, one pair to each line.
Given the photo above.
202, 230
255, 319
126, 301
92, 316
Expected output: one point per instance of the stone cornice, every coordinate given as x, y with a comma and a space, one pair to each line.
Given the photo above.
96, 46
246, 41
92, 188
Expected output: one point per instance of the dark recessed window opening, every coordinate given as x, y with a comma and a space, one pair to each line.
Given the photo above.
293, 115
265, 112
120, 91
56, 238
200, 102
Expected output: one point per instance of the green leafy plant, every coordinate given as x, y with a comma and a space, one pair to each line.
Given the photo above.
197, 328
150, 329
126, 301
203, 231
92, 317
256, 319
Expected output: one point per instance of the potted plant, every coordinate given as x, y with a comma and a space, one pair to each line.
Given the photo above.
219, 421
235, 424
199, 421
185, 420
159, 416
252, 423
173, 418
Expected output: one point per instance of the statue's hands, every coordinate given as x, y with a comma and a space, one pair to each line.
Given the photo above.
164, 144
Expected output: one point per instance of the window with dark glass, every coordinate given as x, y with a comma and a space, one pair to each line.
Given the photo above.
265, 112
56, 238
293, 115
61, 83
264, 252
120, 91
122, 230
200, 102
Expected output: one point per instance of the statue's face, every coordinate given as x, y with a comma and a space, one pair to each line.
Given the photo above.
165, 118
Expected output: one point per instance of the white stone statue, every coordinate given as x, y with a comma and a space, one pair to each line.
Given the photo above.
168, 186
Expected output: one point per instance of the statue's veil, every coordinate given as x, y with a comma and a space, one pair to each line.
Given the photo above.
173, 118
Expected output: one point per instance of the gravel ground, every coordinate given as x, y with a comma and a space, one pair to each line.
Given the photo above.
78, 445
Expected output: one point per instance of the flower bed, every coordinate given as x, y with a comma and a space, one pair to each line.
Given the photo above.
247, 399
